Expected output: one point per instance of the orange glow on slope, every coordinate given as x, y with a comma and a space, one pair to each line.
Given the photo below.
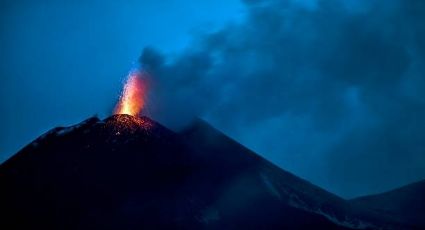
123, 124
133, 97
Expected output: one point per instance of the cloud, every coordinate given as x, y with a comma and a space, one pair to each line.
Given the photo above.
336, 87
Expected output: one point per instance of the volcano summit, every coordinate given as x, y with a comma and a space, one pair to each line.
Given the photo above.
128, 172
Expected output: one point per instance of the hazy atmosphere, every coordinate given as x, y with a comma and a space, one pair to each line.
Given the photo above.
332, 91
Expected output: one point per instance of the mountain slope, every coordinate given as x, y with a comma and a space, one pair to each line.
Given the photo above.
405, 204
132, 173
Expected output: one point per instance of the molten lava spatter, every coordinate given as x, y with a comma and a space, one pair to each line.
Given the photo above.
127, 124
133, 97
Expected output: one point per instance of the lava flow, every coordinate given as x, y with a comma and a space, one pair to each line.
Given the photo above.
130, 105
133, 97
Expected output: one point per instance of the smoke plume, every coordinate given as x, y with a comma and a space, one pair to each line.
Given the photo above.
332, 90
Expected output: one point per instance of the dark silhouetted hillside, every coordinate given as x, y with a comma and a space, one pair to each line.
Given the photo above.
127, 172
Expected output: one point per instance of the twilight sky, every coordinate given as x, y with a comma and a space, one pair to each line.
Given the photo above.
331, 90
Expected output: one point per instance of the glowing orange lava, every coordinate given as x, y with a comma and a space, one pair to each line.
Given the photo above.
123, 124
133, 97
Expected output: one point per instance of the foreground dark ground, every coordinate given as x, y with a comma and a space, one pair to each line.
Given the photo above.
126, 172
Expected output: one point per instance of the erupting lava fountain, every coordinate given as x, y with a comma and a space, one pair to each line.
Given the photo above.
133, 97
131, 103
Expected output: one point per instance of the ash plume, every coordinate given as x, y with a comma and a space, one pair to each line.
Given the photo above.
334, 91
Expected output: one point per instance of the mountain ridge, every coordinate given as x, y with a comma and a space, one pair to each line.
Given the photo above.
406, 203
131, 172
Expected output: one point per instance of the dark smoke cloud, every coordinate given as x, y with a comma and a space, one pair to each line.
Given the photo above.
332, 90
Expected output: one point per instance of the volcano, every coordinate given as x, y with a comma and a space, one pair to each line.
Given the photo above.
128, 172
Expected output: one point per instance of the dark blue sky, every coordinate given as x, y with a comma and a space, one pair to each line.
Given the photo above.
331, 90
62, 61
